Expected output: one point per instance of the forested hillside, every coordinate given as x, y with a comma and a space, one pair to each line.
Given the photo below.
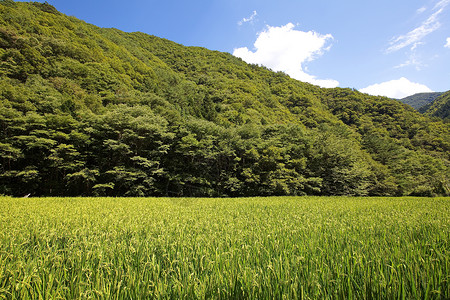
93, 111
419, 100
440, 107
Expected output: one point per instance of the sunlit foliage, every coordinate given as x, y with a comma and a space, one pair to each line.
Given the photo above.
92, 111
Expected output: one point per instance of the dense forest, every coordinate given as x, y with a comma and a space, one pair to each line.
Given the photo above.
419, 100
440, 107
94, 111
431, 104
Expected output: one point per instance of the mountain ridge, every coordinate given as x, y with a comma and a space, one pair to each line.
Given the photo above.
439, 107
419, 100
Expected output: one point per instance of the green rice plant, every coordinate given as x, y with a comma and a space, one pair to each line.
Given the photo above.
240, 248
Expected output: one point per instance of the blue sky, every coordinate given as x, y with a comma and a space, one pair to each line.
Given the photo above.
392, 48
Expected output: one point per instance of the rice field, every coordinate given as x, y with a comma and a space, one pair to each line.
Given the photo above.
242, 248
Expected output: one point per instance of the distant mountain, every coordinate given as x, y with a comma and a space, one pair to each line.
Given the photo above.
94, 111
417, 101
440, 107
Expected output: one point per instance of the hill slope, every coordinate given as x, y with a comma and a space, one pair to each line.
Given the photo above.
419, 100
92, 111
440, 107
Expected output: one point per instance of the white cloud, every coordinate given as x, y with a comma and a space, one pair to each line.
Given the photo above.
448, 43
442, 4
413, 60
249, 19
414, 36
397, 89
286, 49
421, 10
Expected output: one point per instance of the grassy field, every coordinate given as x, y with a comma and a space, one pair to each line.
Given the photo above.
278, 247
